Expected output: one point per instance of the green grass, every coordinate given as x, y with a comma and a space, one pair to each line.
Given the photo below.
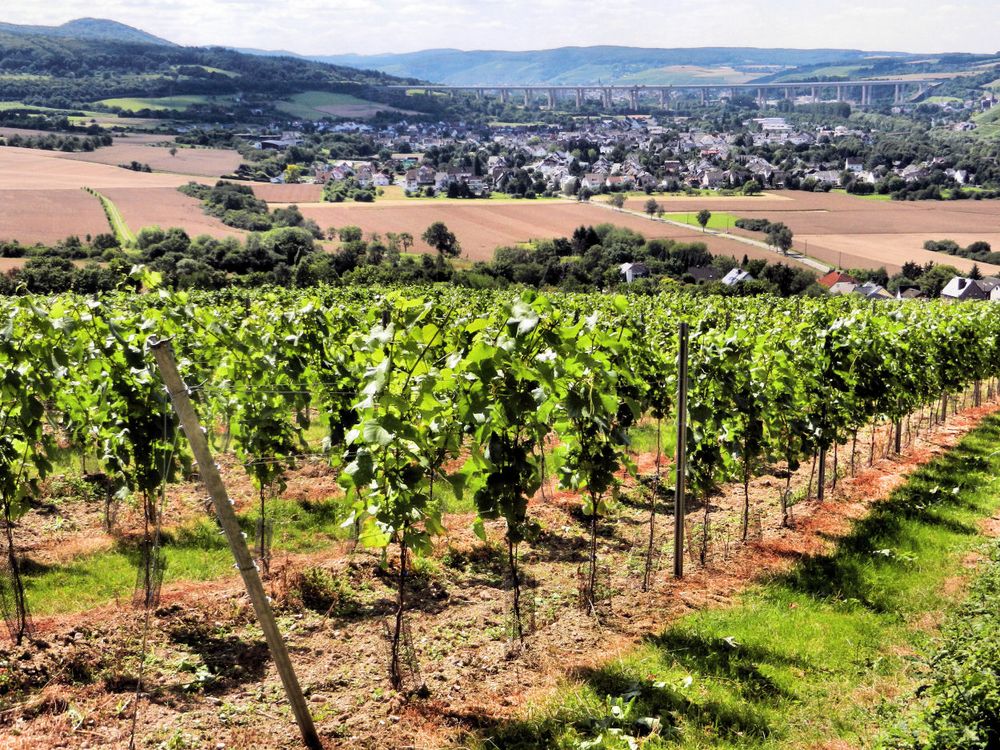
307, 105
872, 197
119, 227
193, 553
804, 660
988, 123
719, 220
174, 103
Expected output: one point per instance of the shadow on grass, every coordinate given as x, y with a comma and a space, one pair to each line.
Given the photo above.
887, 567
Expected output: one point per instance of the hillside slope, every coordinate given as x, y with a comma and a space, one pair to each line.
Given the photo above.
69, 71
88, 28
587, 65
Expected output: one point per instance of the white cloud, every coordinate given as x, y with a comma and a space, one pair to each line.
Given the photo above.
370, 26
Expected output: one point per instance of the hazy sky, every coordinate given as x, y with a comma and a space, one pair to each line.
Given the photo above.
370, 26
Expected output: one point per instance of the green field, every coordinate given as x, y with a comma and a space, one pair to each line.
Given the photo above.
177, 103
872, 197
719, 220
829, 72
988, 123
310, 105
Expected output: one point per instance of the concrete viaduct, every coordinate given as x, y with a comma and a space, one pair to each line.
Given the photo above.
861, 93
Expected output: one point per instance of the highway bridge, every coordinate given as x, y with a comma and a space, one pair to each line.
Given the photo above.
861, 93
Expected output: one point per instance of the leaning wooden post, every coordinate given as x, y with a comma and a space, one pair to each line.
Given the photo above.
237, 544
681, 464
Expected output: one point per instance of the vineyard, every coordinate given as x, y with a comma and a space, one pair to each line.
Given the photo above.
425, 399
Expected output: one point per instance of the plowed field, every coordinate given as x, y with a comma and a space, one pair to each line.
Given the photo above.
483, 226
855, 232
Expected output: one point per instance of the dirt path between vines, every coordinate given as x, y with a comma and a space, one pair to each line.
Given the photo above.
208, 682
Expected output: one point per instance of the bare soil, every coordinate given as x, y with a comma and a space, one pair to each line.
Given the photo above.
74, 686
48, 216
482, 226
167, 207
203, 162
855, 232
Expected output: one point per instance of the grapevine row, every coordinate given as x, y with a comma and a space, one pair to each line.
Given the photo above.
431, 391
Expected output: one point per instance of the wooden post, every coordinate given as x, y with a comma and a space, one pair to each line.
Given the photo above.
899, 436
821, 490
681, 464
237, 544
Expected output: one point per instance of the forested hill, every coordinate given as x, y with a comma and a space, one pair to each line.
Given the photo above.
587, 65
87, 28
58, 71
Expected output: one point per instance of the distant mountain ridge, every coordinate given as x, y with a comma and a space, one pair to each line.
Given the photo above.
606, 64
89, 28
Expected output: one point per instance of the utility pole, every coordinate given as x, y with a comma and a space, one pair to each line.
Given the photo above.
237, 544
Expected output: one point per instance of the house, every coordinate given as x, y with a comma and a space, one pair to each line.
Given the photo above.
592, 181
961, 289
632, 271
910, 294
843, 287
835, 277
421, 177
712, 178
704, 273
854, 164
736, 276
871, 290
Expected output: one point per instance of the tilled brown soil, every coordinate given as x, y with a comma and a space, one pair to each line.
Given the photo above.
208, 681
854, 232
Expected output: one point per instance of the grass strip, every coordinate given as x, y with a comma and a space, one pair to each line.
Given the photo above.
811, 658
961, 696
124, 235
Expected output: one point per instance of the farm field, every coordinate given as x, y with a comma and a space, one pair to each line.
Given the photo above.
314, 105
44, 200
861, 233
201, 162
483, 226
48, 216
166, 207
291, 193
760, 641
181, 102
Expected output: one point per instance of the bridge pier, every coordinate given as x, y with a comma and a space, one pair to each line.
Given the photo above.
527, 98
504, 95
704, 95
579, 98
551, 98
633, 96
608, 98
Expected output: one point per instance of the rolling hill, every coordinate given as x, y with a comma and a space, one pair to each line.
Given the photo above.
86, 62
588, 65
88, 28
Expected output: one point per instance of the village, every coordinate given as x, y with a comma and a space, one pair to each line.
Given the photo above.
589, 156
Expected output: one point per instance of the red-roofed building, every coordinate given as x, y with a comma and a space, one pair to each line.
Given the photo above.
835, 277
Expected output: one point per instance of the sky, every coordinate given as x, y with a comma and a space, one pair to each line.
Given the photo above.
329, 27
